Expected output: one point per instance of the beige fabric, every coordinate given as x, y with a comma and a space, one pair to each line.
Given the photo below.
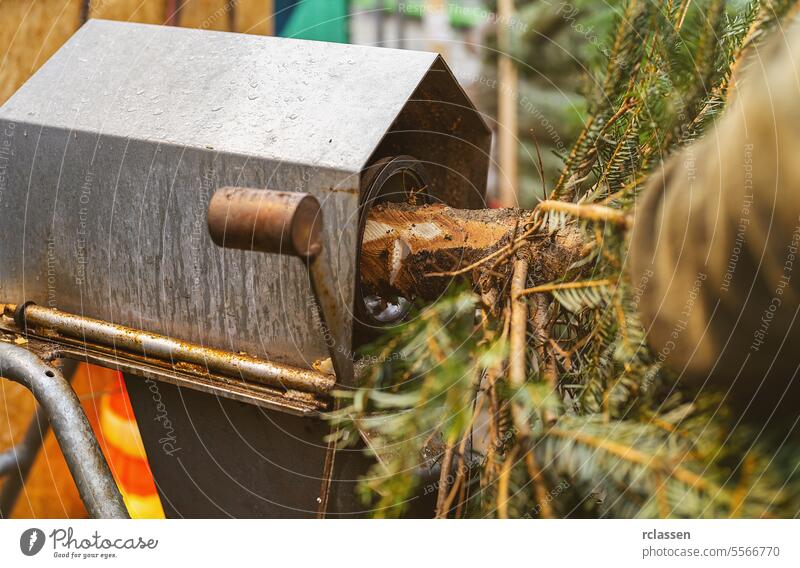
714, 249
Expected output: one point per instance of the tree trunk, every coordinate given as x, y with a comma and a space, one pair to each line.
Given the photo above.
417, 251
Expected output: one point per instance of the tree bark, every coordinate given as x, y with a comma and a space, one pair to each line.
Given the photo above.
418, 251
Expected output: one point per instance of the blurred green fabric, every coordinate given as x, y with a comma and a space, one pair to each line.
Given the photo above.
322, 20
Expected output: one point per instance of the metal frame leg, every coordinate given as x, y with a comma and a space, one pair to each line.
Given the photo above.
73, 432
17, 462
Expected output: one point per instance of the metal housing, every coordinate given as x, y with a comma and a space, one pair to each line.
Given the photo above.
118, 142
109, 156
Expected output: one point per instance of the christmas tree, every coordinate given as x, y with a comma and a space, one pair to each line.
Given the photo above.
529, 390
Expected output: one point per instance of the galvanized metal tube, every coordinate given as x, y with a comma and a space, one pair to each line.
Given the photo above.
265, 220
173, 350
17, 461
8, 461
73, 432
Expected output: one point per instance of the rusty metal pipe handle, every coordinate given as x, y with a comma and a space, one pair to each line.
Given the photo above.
75, 436
266, 220
285, 223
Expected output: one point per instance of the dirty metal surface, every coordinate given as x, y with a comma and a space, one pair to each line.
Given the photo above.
282, 222
110, 154
89, 332
440, 127
146, 370
117, 232
228, 459
321, 104
113, 149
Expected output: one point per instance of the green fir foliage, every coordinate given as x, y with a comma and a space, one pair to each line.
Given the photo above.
613, 434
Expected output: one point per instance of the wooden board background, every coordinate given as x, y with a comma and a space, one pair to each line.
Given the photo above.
32, 30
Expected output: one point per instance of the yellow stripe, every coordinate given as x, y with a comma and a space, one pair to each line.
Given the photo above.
141, 507
119, 432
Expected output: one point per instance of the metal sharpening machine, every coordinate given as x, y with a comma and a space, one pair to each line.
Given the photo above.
187, 206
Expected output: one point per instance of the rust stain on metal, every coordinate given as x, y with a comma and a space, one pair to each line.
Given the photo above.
55, 324
184, 375
285, 223
266, 221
